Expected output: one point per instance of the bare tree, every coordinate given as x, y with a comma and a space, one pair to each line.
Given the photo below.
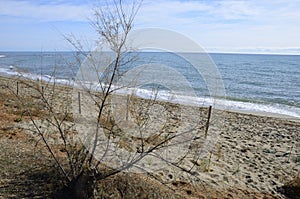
107, 127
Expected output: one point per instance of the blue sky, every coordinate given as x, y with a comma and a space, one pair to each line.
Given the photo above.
256, 26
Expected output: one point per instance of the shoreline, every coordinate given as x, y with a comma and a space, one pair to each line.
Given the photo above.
183, 103
267, 114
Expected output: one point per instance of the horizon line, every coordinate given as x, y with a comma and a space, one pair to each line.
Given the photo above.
208, 52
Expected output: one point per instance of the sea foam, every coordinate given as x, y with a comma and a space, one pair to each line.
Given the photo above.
224, 104
168, 96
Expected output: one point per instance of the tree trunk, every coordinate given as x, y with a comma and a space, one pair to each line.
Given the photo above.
81, 187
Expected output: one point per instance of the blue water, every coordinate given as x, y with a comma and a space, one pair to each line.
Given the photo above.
259, 83
269, 78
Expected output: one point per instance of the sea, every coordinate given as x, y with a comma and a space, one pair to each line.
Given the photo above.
256, 83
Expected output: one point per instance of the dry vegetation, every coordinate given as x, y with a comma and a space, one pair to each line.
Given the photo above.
27, 171
292, 188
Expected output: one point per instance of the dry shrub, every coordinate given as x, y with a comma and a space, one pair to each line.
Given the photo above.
132, 185
292, 188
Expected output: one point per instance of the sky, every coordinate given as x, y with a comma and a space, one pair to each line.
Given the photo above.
253, 26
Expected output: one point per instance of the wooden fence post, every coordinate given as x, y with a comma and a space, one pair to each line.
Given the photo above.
79, 103
17, 88
127, 107
208, 120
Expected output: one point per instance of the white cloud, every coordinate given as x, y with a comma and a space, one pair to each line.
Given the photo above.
164, 12
235, 10
234, 24
167, 11
230, 24
44, 12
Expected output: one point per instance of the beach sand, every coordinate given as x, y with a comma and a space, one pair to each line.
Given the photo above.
247, 151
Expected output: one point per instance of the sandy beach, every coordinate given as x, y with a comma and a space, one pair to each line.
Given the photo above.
251, 155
